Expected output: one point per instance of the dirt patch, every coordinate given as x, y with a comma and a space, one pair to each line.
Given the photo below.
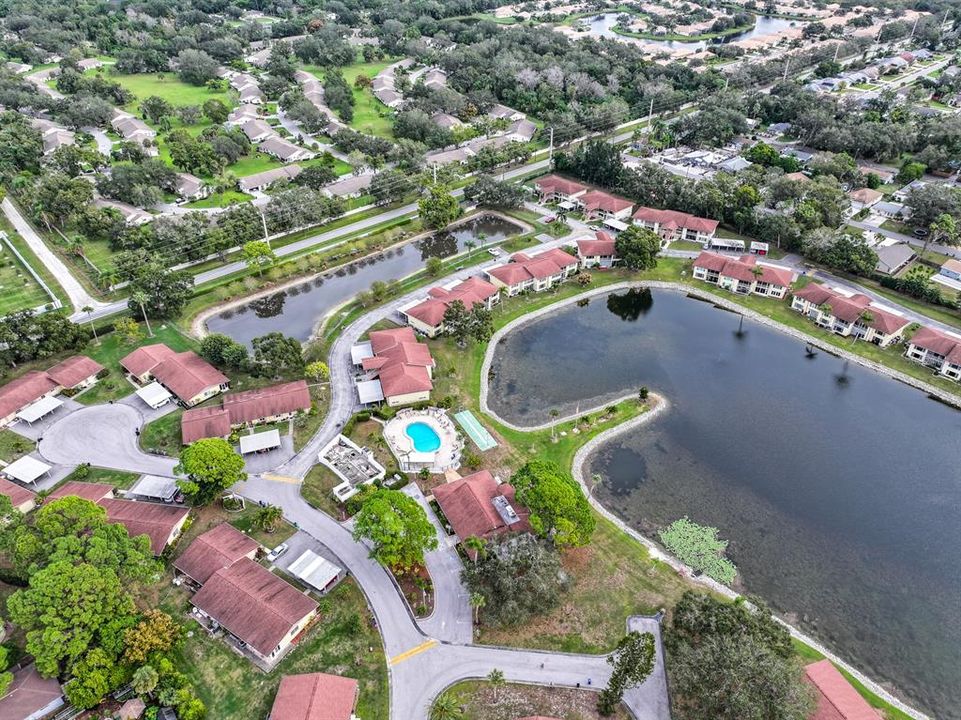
418, 588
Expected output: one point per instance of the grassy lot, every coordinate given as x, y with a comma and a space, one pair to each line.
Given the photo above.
479, 701
18, 289
169, 87
34, 262
118, 478
217, 200
163, 434
13, 446
339, 642
370, 115
254, 163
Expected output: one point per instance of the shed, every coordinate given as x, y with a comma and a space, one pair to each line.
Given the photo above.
39, 409
26, 469
316, 571
154, 394
259, 442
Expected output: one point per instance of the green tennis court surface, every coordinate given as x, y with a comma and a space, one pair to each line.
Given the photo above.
477, 432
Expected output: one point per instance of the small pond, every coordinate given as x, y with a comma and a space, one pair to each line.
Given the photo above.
296, 310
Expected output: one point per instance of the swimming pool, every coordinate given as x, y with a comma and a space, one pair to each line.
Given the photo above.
424, 437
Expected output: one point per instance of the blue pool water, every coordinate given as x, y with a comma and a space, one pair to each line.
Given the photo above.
424, 437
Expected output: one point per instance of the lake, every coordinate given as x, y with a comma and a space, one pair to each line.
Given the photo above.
838, 488
296, 310
602, 26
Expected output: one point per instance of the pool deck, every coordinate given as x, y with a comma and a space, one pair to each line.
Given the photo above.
411, 459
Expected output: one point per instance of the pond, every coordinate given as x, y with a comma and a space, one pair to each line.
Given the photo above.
296, 310
838, 488
602, 26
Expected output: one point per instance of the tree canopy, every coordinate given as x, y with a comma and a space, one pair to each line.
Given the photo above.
637, 248
397, 527
559, 509
211, 466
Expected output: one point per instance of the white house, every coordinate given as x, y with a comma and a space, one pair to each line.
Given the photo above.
599, 251
743, 275
849, 315
938, 350
535, 273
674, 225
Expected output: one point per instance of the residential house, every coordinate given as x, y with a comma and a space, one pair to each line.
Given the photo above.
251, 95
478, 506
951, 268
241, 114
20, 498
734, 164
502, 112
893, 258
777, 129
427, 316
54, 136
521, 131
891, 210
885, 176
743, 275
864, 198
802, 156
604, 206
459, 155
276, 403
261, 611
797, 177
133, 129
848, 315
523, 272
936, 349
836, 697
185, 374
89, 64
191, 187
435, 78
18, 68
263, 180
131, 215
598, 251
904, 193
284, 150
349, 187
217, 549
315, 696
30, 696
160, 522
257, 130
554, 188
673, 225
75, 373
390, 97
446, 121
402, 366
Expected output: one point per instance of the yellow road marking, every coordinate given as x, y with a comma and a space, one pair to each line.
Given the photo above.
282, 478
423, 647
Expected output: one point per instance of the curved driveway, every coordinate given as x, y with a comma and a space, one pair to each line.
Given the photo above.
102, 435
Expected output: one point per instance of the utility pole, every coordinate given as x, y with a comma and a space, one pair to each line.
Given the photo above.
650, 114
914, 27
435, 173
263, 222
787, 64
550, 149
837, 49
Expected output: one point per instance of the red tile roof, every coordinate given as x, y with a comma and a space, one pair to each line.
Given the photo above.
602, 244
146, 358
89, 491
253, 604
401, 362
938, 342
218, 548
468, 506
470, 292
17, 494
154, 520
741, 268
74, 370
17, 394
186, 375
675, 219
797, 177
205, 422
255, 405
28, 694
866, 196
557, 184
836, 698
849, 308
599, 200
523, 267
315, 696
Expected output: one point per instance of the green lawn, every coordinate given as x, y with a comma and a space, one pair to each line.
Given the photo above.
254, 163
216, 200
167, 86
12, 446
370, 115
118, 478
18, 289
18, 242
163, 434
479, 700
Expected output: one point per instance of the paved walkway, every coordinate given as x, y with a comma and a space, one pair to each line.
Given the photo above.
910, 239
78, 296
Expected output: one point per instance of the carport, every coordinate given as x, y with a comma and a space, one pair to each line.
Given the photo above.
259, 442
27, 470
39, 409
154, 394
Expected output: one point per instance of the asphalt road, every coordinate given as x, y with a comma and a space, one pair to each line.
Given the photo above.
910, 239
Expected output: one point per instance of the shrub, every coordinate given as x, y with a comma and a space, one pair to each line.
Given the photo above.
699, 547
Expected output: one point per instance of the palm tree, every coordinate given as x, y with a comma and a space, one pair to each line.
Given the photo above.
496, 678
864, 318
89, 310
470, 245
477, 601
554, 413
141, 298
446, 707
477, 545
268, 517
